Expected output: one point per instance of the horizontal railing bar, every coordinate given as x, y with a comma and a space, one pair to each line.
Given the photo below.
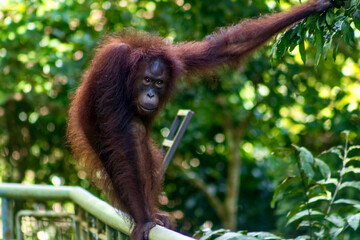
21, 191
40, 213
96, 207
36, 213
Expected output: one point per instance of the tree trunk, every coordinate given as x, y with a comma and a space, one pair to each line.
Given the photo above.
233, 180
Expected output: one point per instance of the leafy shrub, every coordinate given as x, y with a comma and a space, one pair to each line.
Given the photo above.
325, 202
328, 207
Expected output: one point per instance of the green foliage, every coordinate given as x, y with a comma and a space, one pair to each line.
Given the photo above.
223, 234
328, 206
325, 204
324, 31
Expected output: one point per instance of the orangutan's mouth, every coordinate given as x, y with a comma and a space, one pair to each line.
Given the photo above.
147, 110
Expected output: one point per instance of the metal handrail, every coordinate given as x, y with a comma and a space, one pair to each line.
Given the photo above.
50, 214
176, 132
93, 205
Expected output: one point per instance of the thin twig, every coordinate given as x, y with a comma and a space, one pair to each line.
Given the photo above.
344, 158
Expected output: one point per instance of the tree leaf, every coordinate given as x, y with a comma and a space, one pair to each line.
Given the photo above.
328, 41
348, 33
355, 158
336, 220
296, 210
353, 148
337, 150
334, 232
293, 39
303, 237
353, 184
319, 44
274, 47
209, 234
328, 181
347, 201
304, 213
314, 223
324, 168
307, 160
321, 234
279, 189
327, 46
283, 45
235, 236
330, 17
319, 198
301, 32
302, 50
263, 235
354, 221
348, 170
356, 19
305, 223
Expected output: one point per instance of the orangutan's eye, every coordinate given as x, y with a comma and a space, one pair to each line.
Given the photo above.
146, 80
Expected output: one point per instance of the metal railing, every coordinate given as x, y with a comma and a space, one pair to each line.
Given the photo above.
176, 132
93, 218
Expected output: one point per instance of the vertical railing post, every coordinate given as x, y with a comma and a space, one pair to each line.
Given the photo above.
177, 130
109, 233
7, 212
77, 220
122, 236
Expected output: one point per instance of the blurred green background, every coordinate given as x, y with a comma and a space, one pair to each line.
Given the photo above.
229, 160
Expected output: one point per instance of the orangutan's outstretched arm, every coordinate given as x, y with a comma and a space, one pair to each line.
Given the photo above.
230, 45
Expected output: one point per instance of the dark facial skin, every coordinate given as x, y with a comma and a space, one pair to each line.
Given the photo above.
151, 85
